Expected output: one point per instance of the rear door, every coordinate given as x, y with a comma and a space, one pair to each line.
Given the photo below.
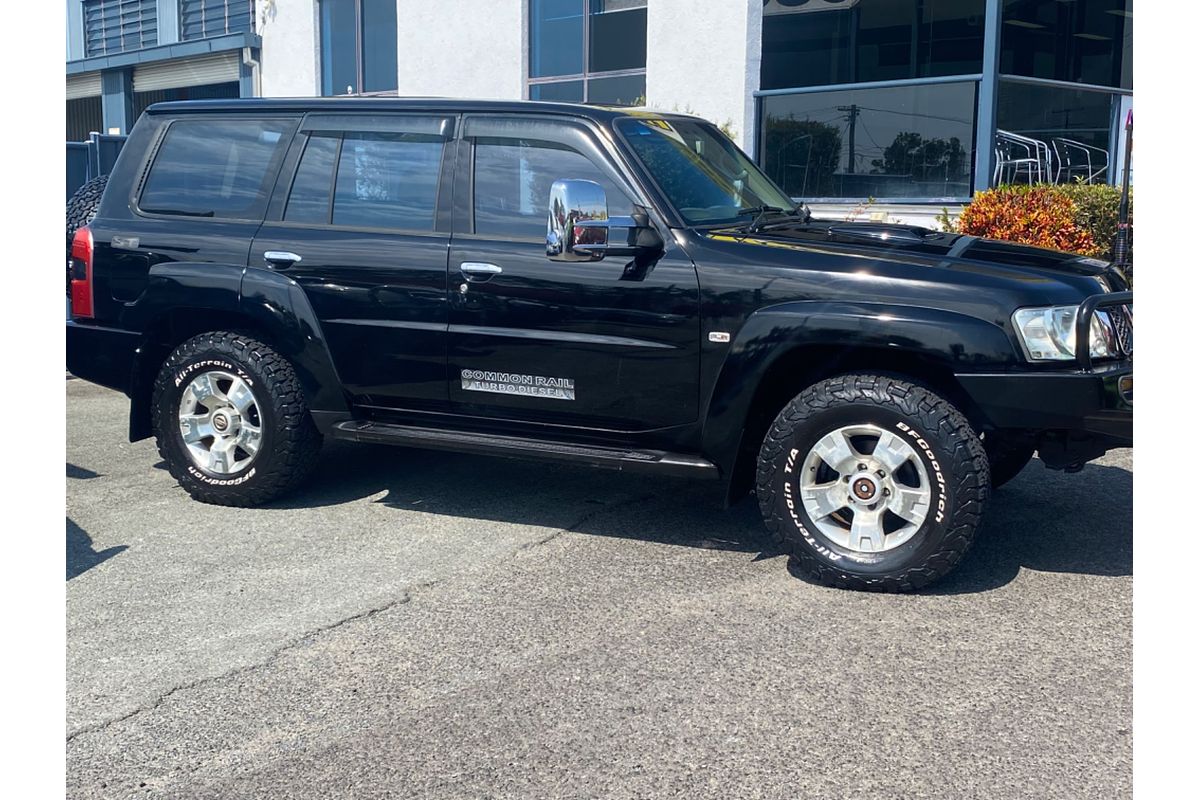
200, 199
603, 344
360, 220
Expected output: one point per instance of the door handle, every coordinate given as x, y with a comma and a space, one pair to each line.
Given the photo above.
280, 259
478, 271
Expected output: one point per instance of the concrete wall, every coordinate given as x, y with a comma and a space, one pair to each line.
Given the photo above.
290, 58
705, 60
462, 48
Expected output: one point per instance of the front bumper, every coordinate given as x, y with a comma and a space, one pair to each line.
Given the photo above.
102, 355
1098, 403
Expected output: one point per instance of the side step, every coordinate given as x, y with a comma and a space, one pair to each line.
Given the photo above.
619, 458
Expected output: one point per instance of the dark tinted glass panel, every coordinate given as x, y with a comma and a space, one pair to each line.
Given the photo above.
1082, 41
823, 42
215, 169
512, 185
618, 35
387, 180
309, 199
339, 47
565, 92
627, 90
555, 38
1047, 134
913, 142
379, 45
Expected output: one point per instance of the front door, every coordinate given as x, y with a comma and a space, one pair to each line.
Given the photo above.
359, 227
599, 345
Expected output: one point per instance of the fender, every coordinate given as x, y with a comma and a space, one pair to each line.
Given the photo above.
956, 341
265, 300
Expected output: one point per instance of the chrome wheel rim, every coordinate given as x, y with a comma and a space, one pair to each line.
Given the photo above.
220, 422
865, 488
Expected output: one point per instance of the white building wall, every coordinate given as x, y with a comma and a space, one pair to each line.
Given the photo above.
704, 58
289, 64
462, 48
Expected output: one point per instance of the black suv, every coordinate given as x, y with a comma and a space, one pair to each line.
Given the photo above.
607, 287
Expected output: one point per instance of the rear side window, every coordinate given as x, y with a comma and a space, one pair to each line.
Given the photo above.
387, 180
313, 186
216, 168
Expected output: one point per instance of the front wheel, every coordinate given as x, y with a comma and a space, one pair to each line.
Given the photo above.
231, 421
872, 483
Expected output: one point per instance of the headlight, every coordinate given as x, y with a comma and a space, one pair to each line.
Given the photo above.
1048, 334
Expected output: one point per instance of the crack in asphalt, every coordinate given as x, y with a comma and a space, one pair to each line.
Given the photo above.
574, 526
313, 634
272, 656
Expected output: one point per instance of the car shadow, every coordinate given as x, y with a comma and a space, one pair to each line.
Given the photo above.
1043, 520
1050, 521
81, 556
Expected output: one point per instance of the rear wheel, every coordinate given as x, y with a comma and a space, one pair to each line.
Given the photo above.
872, 483
231, 421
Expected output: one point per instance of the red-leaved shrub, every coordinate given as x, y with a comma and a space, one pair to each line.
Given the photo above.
1035, 215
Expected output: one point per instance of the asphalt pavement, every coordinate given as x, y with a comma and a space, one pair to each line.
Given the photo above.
431, 625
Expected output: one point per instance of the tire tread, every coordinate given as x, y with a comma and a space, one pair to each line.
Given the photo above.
297, 441
969, 467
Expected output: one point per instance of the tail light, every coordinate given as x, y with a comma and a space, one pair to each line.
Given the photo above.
81, 274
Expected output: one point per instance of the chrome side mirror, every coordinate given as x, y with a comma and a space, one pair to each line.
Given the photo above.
577, 229
580, 229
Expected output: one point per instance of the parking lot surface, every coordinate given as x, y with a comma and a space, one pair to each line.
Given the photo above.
417, 624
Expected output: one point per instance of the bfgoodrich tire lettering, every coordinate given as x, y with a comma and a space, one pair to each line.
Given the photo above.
289, 443
939, 440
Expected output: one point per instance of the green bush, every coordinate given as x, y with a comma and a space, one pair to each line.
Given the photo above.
1096, 209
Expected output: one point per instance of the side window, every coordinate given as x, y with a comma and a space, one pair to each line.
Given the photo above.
512, 185
215, 168
387, 180
313, 185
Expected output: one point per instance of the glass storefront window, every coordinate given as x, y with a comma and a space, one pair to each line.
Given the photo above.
824, 42
1048, 134
914, 142
358, 46
626, 90
1082, 41
555, 38
560, 92
596, 48
616, 35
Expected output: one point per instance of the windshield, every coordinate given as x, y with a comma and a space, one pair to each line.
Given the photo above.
704, 175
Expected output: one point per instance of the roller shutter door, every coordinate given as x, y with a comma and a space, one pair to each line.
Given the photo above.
85, 85
215, 68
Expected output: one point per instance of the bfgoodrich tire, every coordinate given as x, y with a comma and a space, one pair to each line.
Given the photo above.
231, 421
872, 483
83, 205
81, 210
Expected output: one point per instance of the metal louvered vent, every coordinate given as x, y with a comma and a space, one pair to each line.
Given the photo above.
114, 26
201, 19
